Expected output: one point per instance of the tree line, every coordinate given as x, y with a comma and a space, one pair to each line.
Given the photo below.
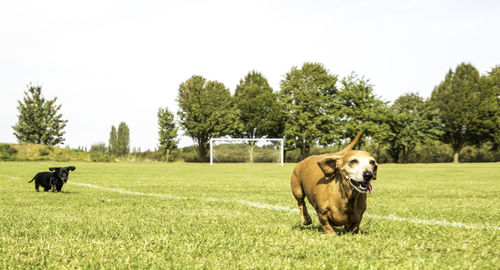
313, 108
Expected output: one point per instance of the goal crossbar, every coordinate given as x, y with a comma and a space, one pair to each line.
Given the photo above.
282, 152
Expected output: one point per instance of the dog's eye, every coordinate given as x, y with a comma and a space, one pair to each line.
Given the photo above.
353, 162
372, 162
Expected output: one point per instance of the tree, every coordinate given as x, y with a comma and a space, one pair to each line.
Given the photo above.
361, 109
167, 132
123, 140
113, 141
38, 120
465, 103
411, 120
490, 109
207, 111
259, 112
309, 99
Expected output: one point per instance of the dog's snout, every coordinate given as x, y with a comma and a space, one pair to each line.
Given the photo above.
367, 175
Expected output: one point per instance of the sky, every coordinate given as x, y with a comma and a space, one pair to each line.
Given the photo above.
118, 60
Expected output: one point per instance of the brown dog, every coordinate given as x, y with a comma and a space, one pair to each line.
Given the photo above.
335, 185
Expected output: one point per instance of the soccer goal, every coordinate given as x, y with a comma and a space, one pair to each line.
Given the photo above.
231, 150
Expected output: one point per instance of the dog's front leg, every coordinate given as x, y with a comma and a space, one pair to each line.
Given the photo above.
325, 223
352, 228
52, 183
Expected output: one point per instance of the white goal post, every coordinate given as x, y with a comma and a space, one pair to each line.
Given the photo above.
246, 140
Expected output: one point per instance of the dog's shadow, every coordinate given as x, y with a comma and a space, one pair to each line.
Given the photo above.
312, 228
66, 192
319, 229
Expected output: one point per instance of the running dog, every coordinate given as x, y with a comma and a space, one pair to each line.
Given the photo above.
53, 180
335, 185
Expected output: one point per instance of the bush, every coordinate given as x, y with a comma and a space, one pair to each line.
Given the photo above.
100, 157
292, 155
266, 155
190, 156
231, 156
148, 155
481, 154
238, 153
175, 155
98, 148
7, 152
44, 151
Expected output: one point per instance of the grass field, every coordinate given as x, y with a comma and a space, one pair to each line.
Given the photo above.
154, 215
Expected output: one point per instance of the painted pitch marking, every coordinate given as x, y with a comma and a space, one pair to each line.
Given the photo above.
280, 208
287, 209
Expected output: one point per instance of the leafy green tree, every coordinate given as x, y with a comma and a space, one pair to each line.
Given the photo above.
123, 140
207, 111
259, 111
38, 120
490, 109
113, 141
309, 100
411, 120
465, 106
361, 109
167, 132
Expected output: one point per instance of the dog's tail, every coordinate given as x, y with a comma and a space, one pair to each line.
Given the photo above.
32, 179
351, 145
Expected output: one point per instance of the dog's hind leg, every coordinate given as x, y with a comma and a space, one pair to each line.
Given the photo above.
299, 195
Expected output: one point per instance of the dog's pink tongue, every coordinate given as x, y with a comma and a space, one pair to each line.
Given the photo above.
370, 188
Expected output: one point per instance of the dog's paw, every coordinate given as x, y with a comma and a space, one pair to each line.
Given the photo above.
307, 222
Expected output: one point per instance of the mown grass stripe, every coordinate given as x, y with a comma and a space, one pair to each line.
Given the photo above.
282, 208
287, 209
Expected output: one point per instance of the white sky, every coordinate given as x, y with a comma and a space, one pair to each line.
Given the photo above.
112, 61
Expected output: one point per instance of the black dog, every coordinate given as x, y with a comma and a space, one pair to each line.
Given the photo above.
52, 180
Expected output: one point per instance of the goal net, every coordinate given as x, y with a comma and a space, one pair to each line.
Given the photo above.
231, 150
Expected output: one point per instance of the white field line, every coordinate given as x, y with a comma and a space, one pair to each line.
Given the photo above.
282, 208
12, 177
434, 222
287, 209
124, 191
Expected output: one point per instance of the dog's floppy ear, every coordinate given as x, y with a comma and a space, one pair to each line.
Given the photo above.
54, 168
71, 168
375, 172
329, 164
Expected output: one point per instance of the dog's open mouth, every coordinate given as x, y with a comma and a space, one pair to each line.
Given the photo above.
362, 186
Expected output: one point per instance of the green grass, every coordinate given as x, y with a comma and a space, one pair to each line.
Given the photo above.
205, 226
